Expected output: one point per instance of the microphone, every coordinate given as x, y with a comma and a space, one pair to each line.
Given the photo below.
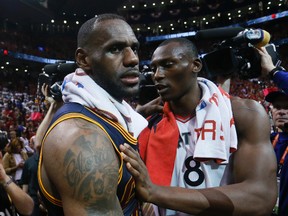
218, 33
67, 67
236, 35
50, 68
257, 37
60, 68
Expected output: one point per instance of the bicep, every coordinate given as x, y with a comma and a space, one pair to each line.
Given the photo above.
87, 167
255, 156
254, 163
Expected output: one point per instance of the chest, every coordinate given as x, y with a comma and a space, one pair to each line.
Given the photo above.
191, 173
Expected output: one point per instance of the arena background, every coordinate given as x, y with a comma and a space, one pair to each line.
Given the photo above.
34, 33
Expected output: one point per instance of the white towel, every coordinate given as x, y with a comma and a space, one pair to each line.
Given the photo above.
218, 137
215, 126
80, 88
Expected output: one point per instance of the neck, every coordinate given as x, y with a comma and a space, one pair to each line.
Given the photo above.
187, 104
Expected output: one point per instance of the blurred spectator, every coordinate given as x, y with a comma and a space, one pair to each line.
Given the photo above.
12, 133
279, 138
250, 89
33, 143
3, 125
26, 141
29, 180
36, 115
12, 199
14, 158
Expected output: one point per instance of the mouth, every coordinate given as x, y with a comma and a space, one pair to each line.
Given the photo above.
282, 120
130, 78
160, 87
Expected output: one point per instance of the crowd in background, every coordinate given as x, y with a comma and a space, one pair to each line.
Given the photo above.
22, 110
42, 45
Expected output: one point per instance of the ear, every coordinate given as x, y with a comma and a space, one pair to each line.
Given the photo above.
197, 65
82, 59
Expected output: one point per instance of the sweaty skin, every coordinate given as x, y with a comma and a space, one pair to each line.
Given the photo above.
251, 188
253, 177
83, 167
80, 164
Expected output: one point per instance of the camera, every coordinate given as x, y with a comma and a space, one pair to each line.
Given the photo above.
53, 75
147, 90
237, 55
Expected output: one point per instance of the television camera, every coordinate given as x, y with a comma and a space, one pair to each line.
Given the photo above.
237, 53
53, 75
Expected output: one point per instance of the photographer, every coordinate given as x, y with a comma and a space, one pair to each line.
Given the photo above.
49, 86
278, 74
53, 107
279, 101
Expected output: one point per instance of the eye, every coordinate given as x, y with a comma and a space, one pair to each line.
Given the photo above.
116, 49
168, 64
153, 68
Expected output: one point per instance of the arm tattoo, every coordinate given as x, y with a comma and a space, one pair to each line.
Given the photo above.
91, 170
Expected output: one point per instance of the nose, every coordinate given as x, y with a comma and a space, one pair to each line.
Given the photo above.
280, 111
130, 58
159, 74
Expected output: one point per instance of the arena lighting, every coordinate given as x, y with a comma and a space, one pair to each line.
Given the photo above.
5, 52
27, 57
164, 37
246, 24
262, 19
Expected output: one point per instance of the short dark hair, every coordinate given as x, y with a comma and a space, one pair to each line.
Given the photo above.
88, 27
189, 46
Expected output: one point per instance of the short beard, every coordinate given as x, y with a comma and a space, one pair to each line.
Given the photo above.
118, 91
